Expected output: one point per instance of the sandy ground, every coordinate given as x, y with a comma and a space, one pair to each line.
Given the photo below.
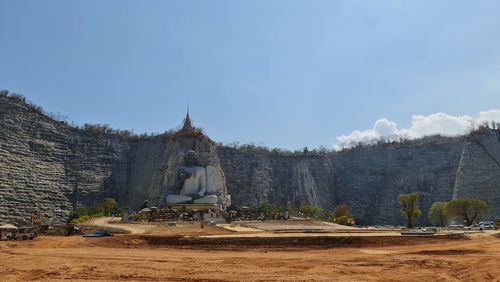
186, 229
249, 229
133, 257
110, 222
298, 224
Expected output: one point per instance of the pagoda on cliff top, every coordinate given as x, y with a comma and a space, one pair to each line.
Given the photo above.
188, 130
187, 125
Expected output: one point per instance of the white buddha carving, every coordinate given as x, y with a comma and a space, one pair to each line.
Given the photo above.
192, 183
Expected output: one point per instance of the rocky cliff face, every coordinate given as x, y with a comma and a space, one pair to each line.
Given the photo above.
50, 168
153, 167
478, 173
371, 179
254, 175
368, 180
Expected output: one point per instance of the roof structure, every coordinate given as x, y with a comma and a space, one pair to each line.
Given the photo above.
8, 227
187, 126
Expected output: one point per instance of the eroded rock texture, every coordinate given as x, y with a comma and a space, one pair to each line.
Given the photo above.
50, 168
368, 180
478, 174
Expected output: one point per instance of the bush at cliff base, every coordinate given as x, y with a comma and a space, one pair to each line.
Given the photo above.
344, 220
310, 211
106, 207
81, 219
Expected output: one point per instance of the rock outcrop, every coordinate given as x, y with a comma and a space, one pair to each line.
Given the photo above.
367, 179
478, 174
50, 168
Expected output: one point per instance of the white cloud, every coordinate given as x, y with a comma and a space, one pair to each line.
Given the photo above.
438, 123
492, 115
385, 127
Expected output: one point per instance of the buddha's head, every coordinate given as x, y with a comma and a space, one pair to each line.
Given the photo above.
191, 158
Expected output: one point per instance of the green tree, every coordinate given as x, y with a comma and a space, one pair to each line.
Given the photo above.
342, 210
409, 207
437, 214
266, 208
108, 206
342, 215
467, 209
81, 212
271, 211
327, 215
310, 211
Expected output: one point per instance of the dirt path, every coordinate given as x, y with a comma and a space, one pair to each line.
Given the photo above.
110, 222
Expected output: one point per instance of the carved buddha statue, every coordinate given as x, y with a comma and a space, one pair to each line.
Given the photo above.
192, 183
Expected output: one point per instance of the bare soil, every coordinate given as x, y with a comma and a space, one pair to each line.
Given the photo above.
189, 257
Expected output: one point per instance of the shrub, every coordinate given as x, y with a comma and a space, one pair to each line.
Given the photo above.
437, 214
344, 220
467, 209
107, 206
341, 214
310, 211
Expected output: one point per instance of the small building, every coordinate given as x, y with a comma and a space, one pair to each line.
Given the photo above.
8, 231
8, 227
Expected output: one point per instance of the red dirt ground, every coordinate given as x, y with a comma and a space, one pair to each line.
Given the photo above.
177, 258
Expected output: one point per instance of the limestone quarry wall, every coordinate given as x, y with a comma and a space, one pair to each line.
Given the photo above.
153, 166
50, 168
253, 176
368, 180
478, 174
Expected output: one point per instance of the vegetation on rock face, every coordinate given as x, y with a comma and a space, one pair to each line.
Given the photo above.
409, 207
107, 207
196, 133
437, 214
467, 209
95, 129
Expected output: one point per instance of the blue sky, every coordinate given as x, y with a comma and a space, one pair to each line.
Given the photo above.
285, 73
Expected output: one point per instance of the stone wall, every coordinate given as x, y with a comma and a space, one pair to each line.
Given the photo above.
50, 168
